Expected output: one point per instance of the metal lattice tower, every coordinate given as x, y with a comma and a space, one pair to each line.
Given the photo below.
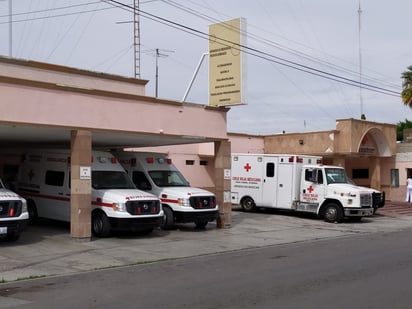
136, 22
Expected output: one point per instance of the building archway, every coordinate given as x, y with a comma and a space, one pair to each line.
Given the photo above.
374, 142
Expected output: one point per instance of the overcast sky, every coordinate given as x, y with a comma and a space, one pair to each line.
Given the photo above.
318, 34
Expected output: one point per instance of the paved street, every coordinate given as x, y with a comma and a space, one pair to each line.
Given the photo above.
48, 250
360, 270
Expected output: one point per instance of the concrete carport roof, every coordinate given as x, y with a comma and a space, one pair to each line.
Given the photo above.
42, 103
45, 105
25, 136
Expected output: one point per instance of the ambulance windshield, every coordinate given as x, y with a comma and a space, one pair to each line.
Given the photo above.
336, 175
111, 180
168, 179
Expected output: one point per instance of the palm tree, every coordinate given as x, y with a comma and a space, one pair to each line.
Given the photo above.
407, 87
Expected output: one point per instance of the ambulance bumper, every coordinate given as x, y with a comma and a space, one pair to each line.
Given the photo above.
193, 216
135, 224
12, 226
358, 212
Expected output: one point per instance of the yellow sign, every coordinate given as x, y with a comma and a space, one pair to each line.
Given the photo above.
226, 82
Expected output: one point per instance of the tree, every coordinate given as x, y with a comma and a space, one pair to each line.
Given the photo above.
400, 126
407, 87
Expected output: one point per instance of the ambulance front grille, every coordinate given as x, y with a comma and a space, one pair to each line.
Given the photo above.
143, 207
366, 200
203, 202
10, 209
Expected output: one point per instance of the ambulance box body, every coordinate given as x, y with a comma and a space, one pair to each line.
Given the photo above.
44, 180
155, 173
299, 183
13, 214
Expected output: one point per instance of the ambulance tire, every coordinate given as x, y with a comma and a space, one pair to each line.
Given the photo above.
332, 213
100, 224
248, 204
32, 210
168, 219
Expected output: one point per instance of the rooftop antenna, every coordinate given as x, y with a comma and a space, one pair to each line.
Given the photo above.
136, 22
136, 34
360, 61
10, 29
157, 55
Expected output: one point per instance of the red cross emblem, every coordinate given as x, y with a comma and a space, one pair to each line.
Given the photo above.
247, 167
310, 189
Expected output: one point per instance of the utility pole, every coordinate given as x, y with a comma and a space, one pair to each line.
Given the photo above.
10, 29
360, 61
157, 55
136, 22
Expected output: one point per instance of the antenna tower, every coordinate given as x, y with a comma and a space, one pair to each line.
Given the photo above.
360, 61
136, 22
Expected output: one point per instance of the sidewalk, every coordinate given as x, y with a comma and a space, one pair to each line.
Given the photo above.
395, 209
48, 250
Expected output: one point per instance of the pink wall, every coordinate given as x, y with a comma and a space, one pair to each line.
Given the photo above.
203, 175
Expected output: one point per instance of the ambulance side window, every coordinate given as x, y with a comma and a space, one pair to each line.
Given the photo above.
141, 181
270, 169
320, 177
315, 176
308, 175
54, 178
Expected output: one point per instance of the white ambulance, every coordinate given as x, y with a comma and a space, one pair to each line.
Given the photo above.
13, 214
155, 173
298, 183
44, 180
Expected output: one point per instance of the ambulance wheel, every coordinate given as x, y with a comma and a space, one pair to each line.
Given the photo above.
32, 210
168, 219
332, 213
100, 224
248, 204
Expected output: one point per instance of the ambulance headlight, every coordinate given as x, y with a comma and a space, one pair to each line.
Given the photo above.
24, 207
183, 202
118, 207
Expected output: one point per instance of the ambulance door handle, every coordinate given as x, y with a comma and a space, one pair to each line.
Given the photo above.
281, 185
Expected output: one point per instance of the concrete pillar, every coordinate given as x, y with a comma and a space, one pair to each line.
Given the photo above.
222, 183
375, 168
81, 187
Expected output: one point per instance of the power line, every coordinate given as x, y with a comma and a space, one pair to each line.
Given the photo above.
279, 46
267, 56
248, 50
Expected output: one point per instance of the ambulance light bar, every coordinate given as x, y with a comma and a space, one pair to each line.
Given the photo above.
113, 160
298, 159
151, 160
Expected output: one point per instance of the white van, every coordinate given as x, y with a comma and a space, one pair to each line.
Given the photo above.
13, 214
44, 180
155, 173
